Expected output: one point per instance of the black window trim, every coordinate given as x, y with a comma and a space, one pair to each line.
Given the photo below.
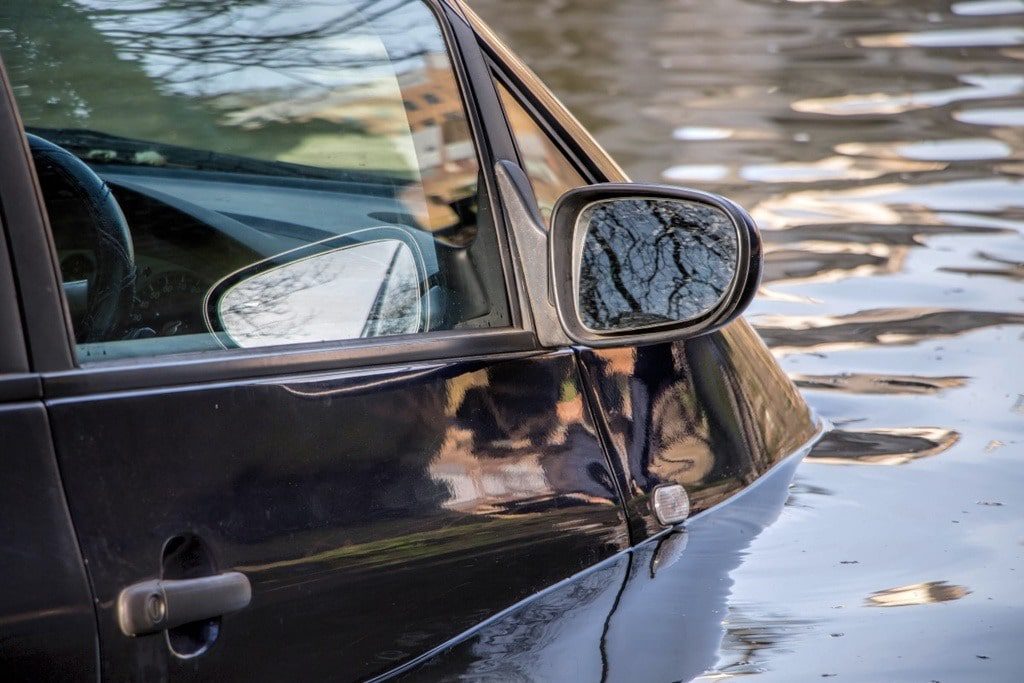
550, 113
16, 382
32, 253
544, 120
490, 133
13, 355
203, 367
52, 345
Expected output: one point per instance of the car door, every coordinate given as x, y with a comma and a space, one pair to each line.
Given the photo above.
342, 493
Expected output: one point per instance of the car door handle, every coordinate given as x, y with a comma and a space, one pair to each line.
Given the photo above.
152, 606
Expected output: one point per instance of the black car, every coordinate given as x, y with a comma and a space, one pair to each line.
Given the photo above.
333, 347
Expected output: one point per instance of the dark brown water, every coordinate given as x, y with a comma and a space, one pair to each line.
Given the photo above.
880, 146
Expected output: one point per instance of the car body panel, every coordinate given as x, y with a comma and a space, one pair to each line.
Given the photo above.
712, 413
656, 612
738, 413
376, 513
47, 627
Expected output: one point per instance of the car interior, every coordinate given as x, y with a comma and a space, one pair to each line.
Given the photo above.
199, 217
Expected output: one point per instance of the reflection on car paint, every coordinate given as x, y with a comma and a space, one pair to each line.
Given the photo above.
400, 514
708, 413
654, 613
751, 91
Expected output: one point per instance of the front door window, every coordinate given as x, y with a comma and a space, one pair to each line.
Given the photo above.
232, 135
551, 174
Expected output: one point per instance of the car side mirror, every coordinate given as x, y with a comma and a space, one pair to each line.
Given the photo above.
639, 264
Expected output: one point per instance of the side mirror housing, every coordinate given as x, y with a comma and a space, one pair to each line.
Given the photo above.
635, 264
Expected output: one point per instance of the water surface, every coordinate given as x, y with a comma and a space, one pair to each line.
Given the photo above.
880, 146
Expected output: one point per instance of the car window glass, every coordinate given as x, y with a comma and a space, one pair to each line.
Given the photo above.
550, 173
300, 169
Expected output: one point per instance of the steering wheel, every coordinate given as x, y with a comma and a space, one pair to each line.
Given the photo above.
75, 194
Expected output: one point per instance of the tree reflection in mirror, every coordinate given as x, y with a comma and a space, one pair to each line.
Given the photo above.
651, 262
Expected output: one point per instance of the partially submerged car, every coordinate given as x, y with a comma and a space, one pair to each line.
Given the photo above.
332, 346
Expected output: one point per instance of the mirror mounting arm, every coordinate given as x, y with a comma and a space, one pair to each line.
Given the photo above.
530, 251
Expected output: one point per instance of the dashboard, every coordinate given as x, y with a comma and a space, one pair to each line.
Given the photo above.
169, 302
190, 230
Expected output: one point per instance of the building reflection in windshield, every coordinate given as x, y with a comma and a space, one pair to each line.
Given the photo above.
363, 87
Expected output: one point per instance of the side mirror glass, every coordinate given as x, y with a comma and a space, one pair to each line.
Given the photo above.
328, 291
644, 263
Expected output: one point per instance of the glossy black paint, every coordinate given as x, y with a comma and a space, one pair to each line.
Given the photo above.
712, 413
376, 513
654, 613
47, 629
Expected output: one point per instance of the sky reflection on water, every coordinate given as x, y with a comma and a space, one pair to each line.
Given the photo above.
880, 148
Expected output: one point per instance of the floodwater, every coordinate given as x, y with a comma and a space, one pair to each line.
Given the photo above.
880, 146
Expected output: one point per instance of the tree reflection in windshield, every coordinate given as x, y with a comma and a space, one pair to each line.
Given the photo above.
234, 130
361, 86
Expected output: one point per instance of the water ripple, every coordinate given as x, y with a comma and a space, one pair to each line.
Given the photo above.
873, 327
992, 116
977, 8
917, 594
868, 383
950, 149
979, 37
978, 87
896, 446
